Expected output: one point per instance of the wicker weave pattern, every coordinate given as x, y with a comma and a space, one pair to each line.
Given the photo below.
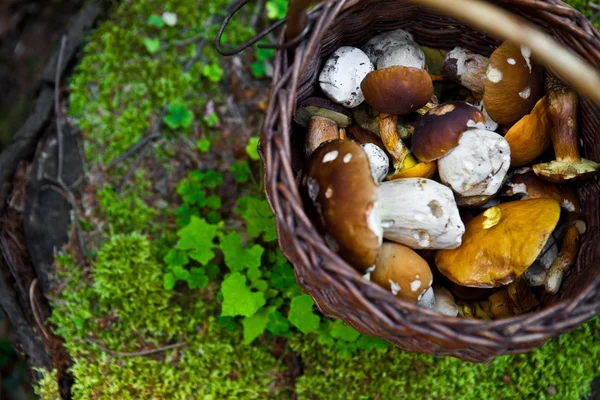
337, 289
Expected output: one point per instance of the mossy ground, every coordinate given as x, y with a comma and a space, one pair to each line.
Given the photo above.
116, 299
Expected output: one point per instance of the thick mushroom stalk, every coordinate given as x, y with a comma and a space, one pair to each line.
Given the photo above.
566, 258
401, 155
562, 113
419, 213
320, 130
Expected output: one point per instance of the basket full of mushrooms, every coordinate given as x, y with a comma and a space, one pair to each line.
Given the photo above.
432, 167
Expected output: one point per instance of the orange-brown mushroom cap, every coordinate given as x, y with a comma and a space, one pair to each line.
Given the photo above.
397, 90
337, 183
513, 83
439, 131
530, 137
402, 271
500, 244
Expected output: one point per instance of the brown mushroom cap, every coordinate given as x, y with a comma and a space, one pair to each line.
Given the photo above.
439, 131
500, 244
337, 182
529, 186
397, 90
513, 83
401, 270
530, 137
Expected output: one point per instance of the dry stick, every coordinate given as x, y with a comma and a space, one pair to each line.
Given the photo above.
58, 182
136, 353
503, 25
34, 308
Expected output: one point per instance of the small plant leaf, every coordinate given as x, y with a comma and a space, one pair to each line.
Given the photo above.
203, 145
237, 297
169, 281
252, 148
301, 314
259, 218
258, 69
237, 257
152, 45
197, 238
339, 330
255, 325
156, 21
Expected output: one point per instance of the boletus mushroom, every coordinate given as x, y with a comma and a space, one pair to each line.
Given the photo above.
379, 45
342, 74
467, 68
514, 299
354, 213
500, 244
562, 113
319, 107
529, 138
513, 83
402, 271
319, 130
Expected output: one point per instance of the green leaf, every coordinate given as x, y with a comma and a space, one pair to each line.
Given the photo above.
255, 325
259, 219
301, 314
241, 171
237, 297
258, 69
213, 202
213, 217
325, 338
212, 178
212, 271
371, 342
213, 72
260, 285
236, 257
203, 145
282, 276
253, 273
197, 279
211, 120
264, 54
278, 325
180, 273
252, 148
169, 281
175, 257
197, 237
229, 323
276, 9
152, 45
339, 330
178, 116
156, 21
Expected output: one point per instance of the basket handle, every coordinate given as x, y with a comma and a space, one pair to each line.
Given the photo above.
502, 25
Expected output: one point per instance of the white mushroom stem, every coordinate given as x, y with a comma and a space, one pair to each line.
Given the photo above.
490, 124
478, 165
419, 213
378, 161
566, 258
342, 74
444, 301
407, 54
467, 68
379, 45
427, 299
535, 275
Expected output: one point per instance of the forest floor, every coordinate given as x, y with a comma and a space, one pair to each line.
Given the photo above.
170, 284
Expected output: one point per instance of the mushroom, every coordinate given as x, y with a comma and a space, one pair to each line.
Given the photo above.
405, 273
514, 299
338, 189
565, 259
562, 113
478, 165
317, 106
530, 137
467, 68
320, 130
500, 244
342, 74
400, 85
489, 123
513, 83
404, 163
379, 162
368, 118
382, 43
444, 301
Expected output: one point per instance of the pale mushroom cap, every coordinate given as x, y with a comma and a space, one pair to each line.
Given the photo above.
444, 301
407, 54
340, 194
499, 246
402, 271
342, 74
478, 165
466, 67
379, 45
378, 161
419, 213
318, 106
489, 123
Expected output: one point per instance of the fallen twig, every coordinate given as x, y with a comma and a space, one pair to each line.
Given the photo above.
136, 353
34, 309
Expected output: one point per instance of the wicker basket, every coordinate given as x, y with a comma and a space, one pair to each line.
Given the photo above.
334, 285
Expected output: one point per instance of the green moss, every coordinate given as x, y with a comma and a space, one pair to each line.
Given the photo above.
568, 364
125, 213
585, 9
47, 386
